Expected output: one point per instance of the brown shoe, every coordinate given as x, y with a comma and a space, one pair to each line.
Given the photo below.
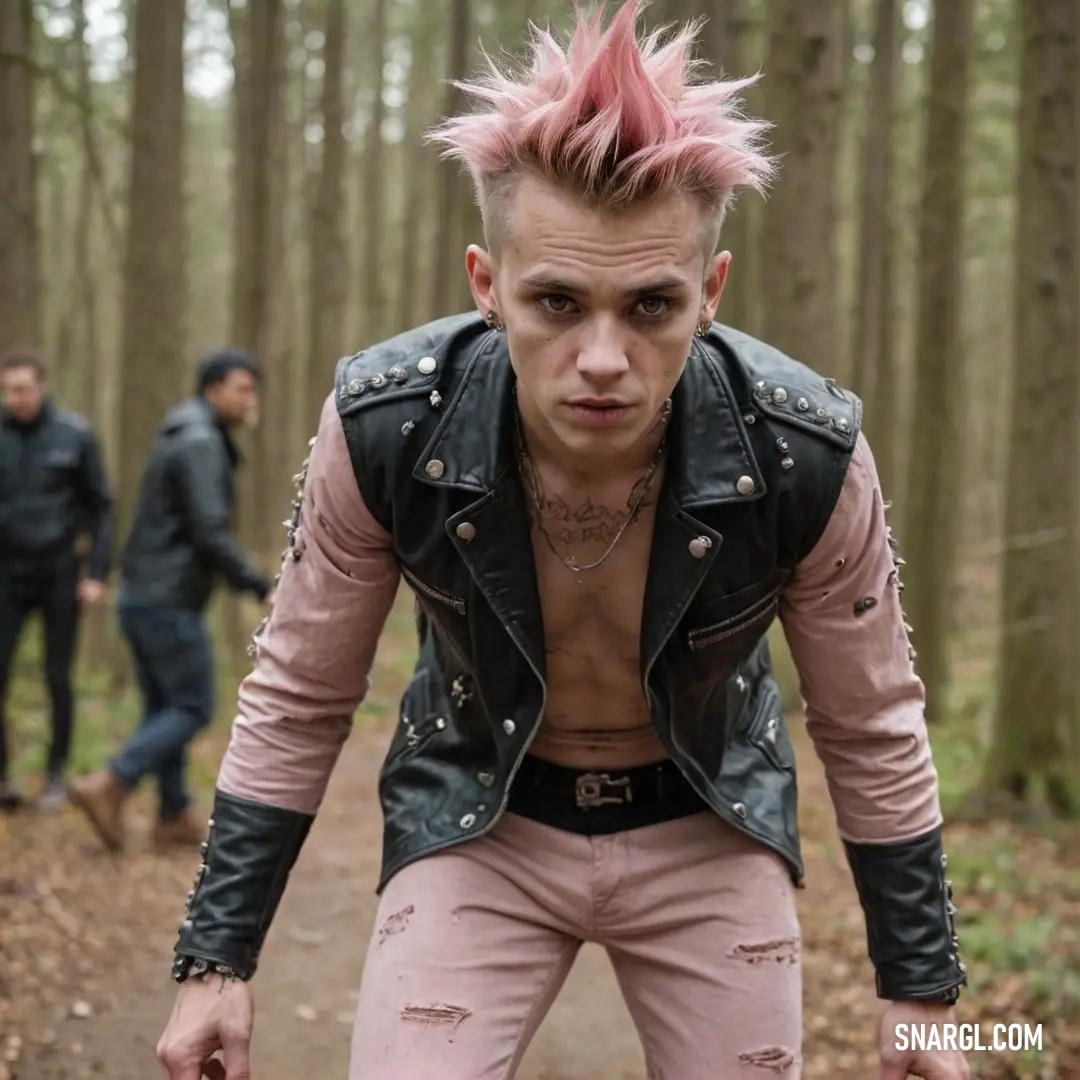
101, 797
11, 799
181, 830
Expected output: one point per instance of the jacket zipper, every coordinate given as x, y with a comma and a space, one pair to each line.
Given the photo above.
710, 635
738, 824
435, 594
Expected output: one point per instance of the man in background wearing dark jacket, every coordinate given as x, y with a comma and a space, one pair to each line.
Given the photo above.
52, 491
178, 547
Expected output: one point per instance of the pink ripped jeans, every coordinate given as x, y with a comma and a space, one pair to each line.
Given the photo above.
471, 946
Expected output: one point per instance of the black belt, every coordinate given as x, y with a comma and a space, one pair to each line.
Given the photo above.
599, 803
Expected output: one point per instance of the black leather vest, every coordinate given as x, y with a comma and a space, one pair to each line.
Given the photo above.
758, 449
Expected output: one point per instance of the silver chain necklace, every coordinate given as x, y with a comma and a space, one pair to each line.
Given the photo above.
641, 488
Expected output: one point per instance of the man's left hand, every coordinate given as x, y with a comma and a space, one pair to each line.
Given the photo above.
91, 592
928, 1064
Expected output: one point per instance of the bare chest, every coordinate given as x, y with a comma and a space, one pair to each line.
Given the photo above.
591, 567
594, 613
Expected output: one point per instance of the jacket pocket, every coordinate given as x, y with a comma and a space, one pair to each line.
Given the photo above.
58, 468
62, 459
768, 732
421, 588
420, 718
760, 612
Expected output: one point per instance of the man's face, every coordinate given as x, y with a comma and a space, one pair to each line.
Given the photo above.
236, 398
599, 309
23, 391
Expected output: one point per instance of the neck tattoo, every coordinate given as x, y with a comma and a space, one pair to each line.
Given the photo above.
531, 476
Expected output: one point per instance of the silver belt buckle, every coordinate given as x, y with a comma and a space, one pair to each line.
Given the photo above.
590, 788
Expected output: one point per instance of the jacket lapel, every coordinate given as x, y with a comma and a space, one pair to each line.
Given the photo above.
475, 450
710, 463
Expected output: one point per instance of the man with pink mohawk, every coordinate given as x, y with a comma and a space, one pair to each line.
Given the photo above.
601, 499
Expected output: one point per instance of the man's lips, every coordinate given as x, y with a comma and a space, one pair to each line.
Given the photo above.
599, 410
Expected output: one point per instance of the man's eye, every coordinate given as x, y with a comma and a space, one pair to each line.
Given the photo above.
556, 304
653, 306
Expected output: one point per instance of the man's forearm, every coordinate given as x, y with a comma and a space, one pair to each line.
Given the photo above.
99, 508
248, 855
221, 549
201, 478
910, 918
270, 785
99, 562
884, 792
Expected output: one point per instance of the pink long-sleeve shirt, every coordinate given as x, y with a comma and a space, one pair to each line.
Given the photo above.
864, 702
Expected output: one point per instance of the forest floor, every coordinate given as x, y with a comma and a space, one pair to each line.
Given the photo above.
86, 938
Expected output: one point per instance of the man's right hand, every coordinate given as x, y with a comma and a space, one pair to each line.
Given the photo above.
211, 1014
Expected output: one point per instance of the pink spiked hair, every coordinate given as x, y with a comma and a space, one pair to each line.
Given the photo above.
614, 119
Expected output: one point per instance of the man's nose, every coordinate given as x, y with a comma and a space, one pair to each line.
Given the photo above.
602, 356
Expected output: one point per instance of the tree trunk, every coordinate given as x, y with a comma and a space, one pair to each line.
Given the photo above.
95, 375
101, 367
803, 92
1037, 720
417, 157
328, 253
796, 259
257, 222
20, 242
446, 267
372, 295
56, 311
152, 347
257, 34
932, 498
727, 41
874, 375
302, 384
84, 304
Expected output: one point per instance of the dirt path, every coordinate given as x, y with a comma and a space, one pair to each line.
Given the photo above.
313, 959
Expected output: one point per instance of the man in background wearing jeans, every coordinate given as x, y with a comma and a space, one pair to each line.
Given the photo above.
178, 546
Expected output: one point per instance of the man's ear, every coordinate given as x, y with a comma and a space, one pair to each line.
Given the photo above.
715, 277
480, 267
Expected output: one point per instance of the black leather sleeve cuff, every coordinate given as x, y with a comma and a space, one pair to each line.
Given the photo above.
910, 927
247, 857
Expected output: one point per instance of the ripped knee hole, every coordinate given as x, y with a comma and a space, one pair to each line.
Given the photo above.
777, 1058
777, 949
436, 1014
